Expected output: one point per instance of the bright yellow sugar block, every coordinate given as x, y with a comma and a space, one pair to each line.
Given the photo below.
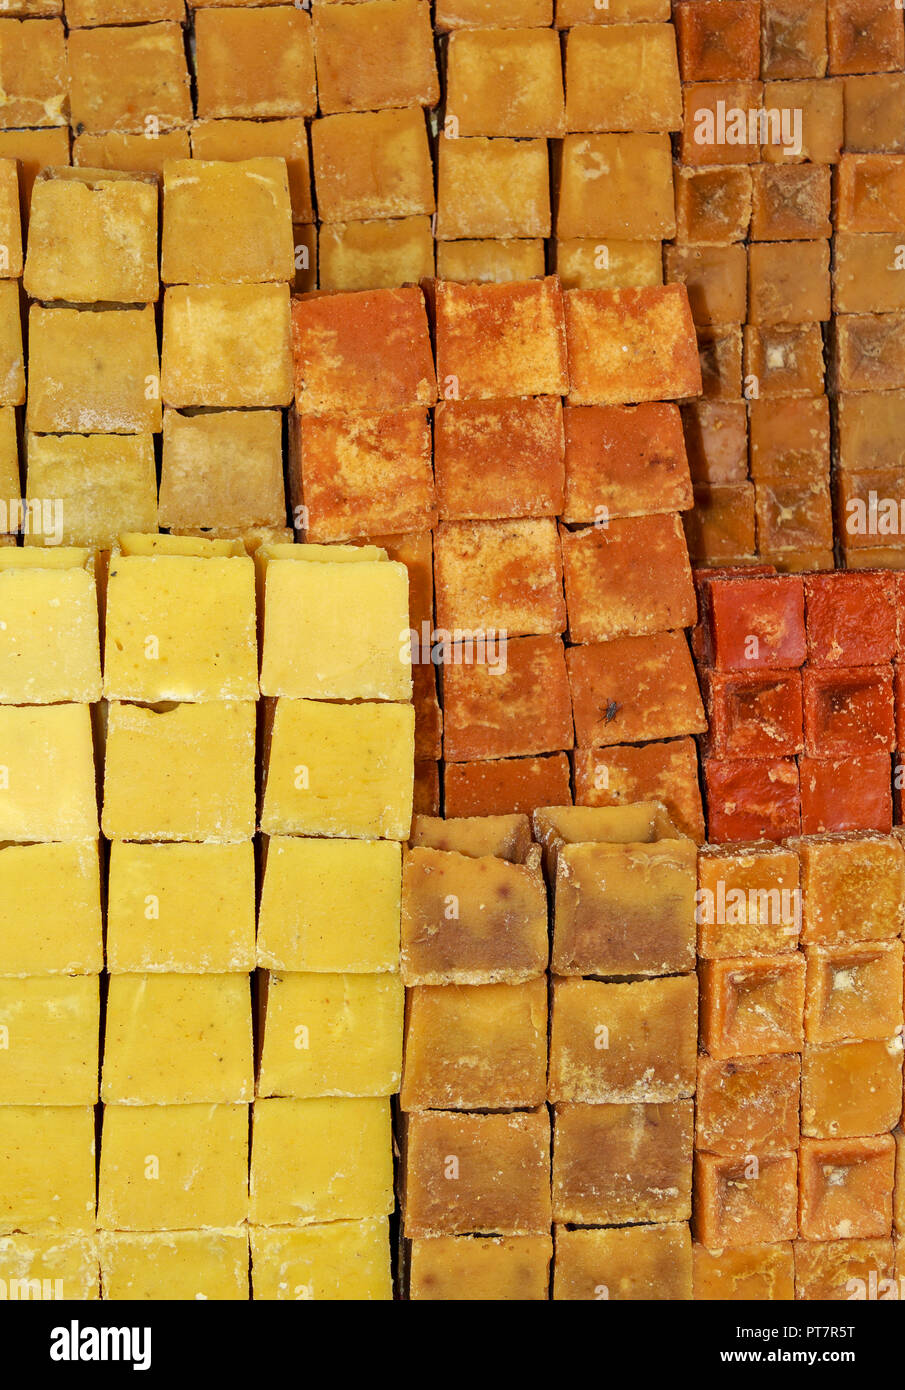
50, 909
186, 772
331, 1035
199, 547
330, 905
47, 777
93, 237
173, 1167
180, 628
227, 346
10, 221
57, 557
320, 1160
46, 1168
174, 1266
339, 1262
178, 1040
340, 770
311, 552
336, 631
49, 647
50, 1267
180, 909
226, 222
49, 1038
105, 484
93, 371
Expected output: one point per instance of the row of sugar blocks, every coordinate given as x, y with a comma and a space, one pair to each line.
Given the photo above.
799, 1177
479, 1190
803, 692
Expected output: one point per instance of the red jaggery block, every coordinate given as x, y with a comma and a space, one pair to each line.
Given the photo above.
633, 689
752, 1006
499, 458
850, 793
865, 36
516, 704
625, 773
500, 576
754, 714
755, 623
846, 1188
497, 341
628, 346
629, 577
752, 799
716, 437
848, 710
745, 1201
718, 42
747, 1105
507, 785
624, 461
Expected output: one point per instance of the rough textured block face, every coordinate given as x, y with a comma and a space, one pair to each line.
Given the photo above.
607, 681
341, 1260
380, 254
850, 793
177, 1039
632, 200
498, 1268
50, 1027
864, 36
372, 164
121, 150
181, 908
106, 484
623, 1042
624, 461
499, 458
853, 887
330, 905
666, 772
752, 1006
255, 63
373, 58
183, 773
121, 77
646, 1263
629, 577
752, 799
756, 623
713, 204
471, 921
789, 283
870, 193
848, 710
791, 202
745, 1201
491, 259
506, 785
875, 113
339, 770
69, 1262
492, 188
622, 77
505, 81
748, 901
785, 359
183, 1265
501, 576
179, 628
478, 1047
853, 991
516, 706
747, 1105
716, 280
846, 1188
247, 140
226, 222
868, 353
226, 345
839, 1270
33, 73
331, 1035
477, 1174
794, 38
199, 1178
47, 1168
711, 134
594, 1145
202, 482
754, 713
755, 1273
47, 762
851, 1088
49, 648
92, 239
715, 44
631, 345
36, 936
501, 340
93, 371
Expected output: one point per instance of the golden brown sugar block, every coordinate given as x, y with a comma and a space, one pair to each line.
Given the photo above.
783, 360
255, 63
851, 1088
622, 77
222, 469
794, 41
628, 577
497, 341
816, 108
875, 113
122, 150
615, 185
623, 1042
790, 202
491, 259
715, 43
426, 797
866, 274
12, 357
87, 14
790, 439
595, 1145
492, 188
899, 1201
748, 901
502, 458
868, 352
129, 79
585, 263
666, 772
33, 73
716, 278
492, 14
226, 222
248, 139
840, 1270
34, 150
505, 81
10, 221
623, 668
476, 1047
716, 125
846, 1188
50, 1031
374, 56
381, 254
627, 346
477, 1174
720, 355
753, 1273
870, 193
47, 1168
789, 282
853, 991
864, 36
752, 1005
106, 484
93, 371
505, 836
713, 204
480, 1268
571, 12
624, 461
226, 346
505, 785
747, 1105
751, 1200
372, 164
853, 889
471, 921
499, 575
646, 1263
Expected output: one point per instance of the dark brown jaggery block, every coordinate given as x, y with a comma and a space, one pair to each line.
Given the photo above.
848, 710
715, 277
842, 1270
851, 1088
721, 529
499, 576
427, 788
875, 113
514, 706
623, 774
646, 1263
865, 36
793, 42
632, 200
624, 461
747, 1105
853, 889
633, 689
867, 274
850, 793
374, 58
791, 202
720, 358
853, 991
752, 1005
748, 900
480, 1269
477, 1174
790, 438
716, 437
627, 346
744, 1201
505, 81
629, 577
623, 1042
622, 77
784, 360
594, 1145
789, 282
716, 128
504, 836
846, 1188
499, 458
718, 42
255, 63
501, 786
496, 341
811, 121
33, 73
371, 164
870, 193
119, 78
869, 352
713, 204
492, 188
750, 1273
428, 715
753, 714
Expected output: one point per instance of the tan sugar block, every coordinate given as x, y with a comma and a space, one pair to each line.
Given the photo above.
853, 889
102, 485
94, 371
623, 77
10, 221
34, 150
92, 239
179, 1266
226, 345
615, 185
342, 1260
376, 57
10, 481
480, 1268
47, 782
117, 149
491, 259
505, 81
586, 263
506, 836
595, 1145
226, 222
12, 359
129, 79
61, 1266
191, 547
636, 1263
222, 469
50, 909
50, 1032
255, 63
47, 1168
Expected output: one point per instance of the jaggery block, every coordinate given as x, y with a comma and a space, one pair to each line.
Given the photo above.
645, 1263
480, 1268
632, 689
226, 222
47, 1168
864, 36
790, 440
853, 991
715, 45
851, 1088
477, 1174
499, 575
629, 577
722, 526
720, 356
33, 151
868, 353
256, 63
595, 1145
621, 77
870, 193
805, 121
713, 204
853, 889
476, 1047
37, 937
178, 1265
750, 1200
380, 254
841, 1270
615, 185
514, 703
748, 901
753, 1273
752, 798
793, 42
226, 345
49, 649
372, 164
784, 360
12, 357
48, 776
426, 797
870, 431
492, 14
753, 714
249, 139
789, 282
875, 113
65, 1263
132, 79
623, 1042
222, 469
752, 1005
106, 484
850, 793
505, 836
505, 81
49, 1028
492, 188
624, 461
33, 73
665, 772
846, 1188
644, 822
627, 346
747, 1105
866, 274
717, 126
118, 150
848, 710
94, 371
755, 623
340, 1260
899, 1193
10, 221
790, 202
505, 785
502, 458
375, 58
305, 237
498, 341
571, 12
495, 259
716, 278
584, 263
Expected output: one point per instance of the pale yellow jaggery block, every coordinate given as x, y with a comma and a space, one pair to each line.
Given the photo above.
49, 645
339, 1261
49, 1038
92, 371
59, 1266
50, 909
47, 776
46, 1168
222, 469
226, 346
93, 238
226, 222
98, 486
196, 547
175, 1266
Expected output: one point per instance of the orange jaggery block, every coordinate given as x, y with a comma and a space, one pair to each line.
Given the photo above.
427, 787
624, 461
853, 991
622, 77
841, 1270
754, 623
784, 360
491, 259
899, 1193
875, 113
748, 900
791, 439
583, 263
747, 1105
127, 150
571, 12
595, 1146
492, 14
514, 704
720, 356
501, 576
790, 202
226, 221
633, 689
255, 63
818, 121
615, 185
789, 282
627, 346
34, 150
505, 82
794, 41
752, 1273
480, 1268
621, 774
721, 529
371, 164
504, 785
716, 44
496, 341
717, 128
716, 278
713, 204
866, 275
34, 78
851, 1088
750, 1200
495, 459
635, 1263
629, 577
120, 78
846, 1188
368, 59
870, 193
752, 1005
868, 353
756, 714
853, 889
865, 36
